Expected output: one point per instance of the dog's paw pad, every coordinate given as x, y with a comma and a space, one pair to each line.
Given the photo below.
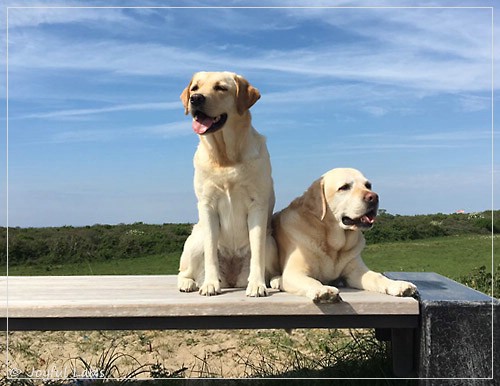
186, 285
256, 290
326, 294
402, 288
210, 289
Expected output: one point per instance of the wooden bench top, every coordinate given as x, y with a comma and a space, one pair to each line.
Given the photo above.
154, 302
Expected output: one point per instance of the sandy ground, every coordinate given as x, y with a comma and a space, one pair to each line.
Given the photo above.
216, 353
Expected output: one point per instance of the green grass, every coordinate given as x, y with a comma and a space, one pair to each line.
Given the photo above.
452, 256
145, 265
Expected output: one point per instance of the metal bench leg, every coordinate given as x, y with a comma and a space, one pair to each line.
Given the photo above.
403, 351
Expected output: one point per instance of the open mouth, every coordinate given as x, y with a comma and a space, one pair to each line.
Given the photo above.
203, 124
365, 221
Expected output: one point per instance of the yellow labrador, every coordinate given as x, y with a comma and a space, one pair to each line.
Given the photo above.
232, 181
319, 238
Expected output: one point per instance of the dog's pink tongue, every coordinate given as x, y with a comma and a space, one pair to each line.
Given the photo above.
202, 126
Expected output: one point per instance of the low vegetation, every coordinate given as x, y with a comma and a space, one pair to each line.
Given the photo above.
403, 228
53, 246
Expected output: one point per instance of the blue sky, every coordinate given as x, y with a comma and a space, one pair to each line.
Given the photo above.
97, 133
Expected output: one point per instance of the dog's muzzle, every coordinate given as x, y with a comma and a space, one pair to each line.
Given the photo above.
203, 123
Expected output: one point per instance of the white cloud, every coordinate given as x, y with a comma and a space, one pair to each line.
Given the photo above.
34, 17
385, 142
473, 103
454, 136
163, 131
376, 111
439, 49
169, 130
442, 28
433, 137
429, 51
61, 114
72, 136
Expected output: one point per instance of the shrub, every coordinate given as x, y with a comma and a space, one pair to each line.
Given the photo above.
481, 280
90, 243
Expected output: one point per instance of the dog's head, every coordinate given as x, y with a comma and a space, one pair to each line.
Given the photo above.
214, 97
348, 196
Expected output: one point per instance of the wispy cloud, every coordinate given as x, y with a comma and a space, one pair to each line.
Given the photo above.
164, 131
168, 130
454, 136
61, 114
386, 142
34, 17
472, 103
424, 31
430, 138
409, 51
78, 136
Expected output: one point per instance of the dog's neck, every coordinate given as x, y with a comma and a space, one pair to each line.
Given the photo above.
224, 147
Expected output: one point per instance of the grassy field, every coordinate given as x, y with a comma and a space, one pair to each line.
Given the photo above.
144, 265
452, 256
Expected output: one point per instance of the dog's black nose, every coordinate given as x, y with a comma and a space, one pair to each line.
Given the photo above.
371, 197
197, 99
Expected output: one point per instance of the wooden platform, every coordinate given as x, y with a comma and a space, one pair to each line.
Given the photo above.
153, 302
425, 339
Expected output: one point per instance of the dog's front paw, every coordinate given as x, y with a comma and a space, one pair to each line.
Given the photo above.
276, 283
324, 294
186, 285
210, 288
256, 289
401, 288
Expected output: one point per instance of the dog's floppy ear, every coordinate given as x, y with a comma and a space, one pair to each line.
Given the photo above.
246, 94
315, 199
185, 98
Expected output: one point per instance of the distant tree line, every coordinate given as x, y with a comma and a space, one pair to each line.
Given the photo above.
104, 242
90, 243
390, 227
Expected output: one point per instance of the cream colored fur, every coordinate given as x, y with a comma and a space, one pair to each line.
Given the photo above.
229, 245
317, 245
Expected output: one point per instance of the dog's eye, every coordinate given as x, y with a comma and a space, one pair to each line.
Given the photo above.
194, 88
345, 187
218, 87
368, 185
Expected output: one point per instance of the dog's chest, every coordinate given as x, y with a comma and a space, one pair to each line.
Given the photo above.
338, 258
232, 193
233, 207
329, 267
340, 249
228, 186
